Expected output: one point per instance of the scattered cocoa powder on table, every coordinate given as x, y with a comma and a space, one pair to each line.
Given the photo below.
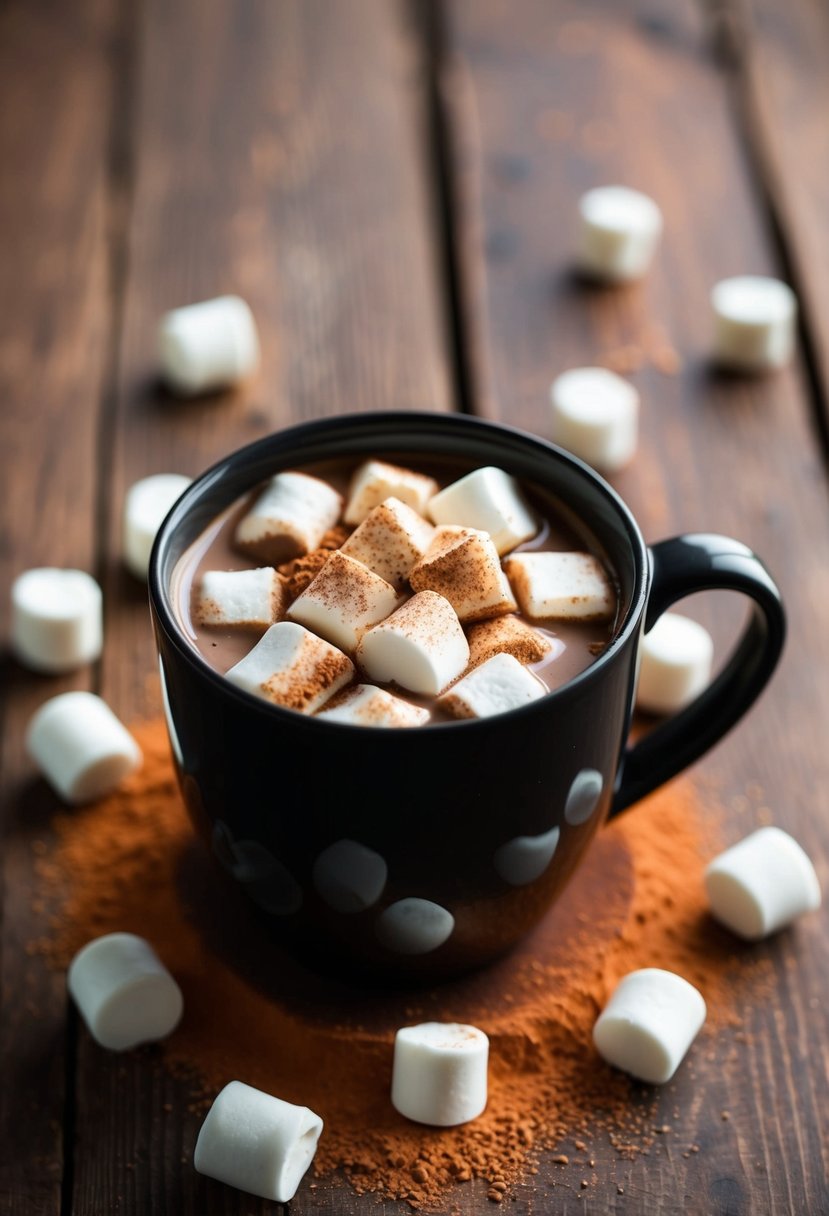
131, 863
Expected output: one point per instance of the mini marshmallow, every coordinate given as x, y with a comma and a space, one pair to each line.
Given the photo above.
147, 503
488, 499
365, 705
207, 346
257, 1143
343, 601
349, 876
510, 635
57, 621
649, 1023
414, 926
421, 646
375, 481
462, 565
754, 323
241, 599
561, 586
289, 518
762, 884
80, 747
293, 668
391, 538
676, 658
498, 685
124, 992
595, 415
439, 1074
620, 229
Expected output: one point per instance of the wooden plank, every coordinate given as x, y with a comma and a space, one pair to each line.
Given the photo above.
58, 81
541, 108
279, 152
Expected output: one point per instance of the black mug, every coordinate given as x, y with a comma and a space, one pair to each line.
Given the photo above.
421, 854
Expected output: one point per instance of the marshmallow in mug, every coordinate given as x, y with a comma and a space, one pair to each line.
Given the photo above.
439, 1075
421, 646
493, 687
620, 230
762, 884
241, 599
124, 992
462, 565
292, 667
490, 500
208, 346
146, 504
57, 619
649, 1024
754, 323
288, 518
257, 1143
80, 747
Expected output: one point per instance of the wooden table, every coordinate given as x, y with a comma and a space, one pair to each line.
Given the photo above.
391, 185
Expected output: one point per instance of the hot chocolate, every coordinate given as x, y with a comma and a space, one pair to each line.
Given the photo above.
397, 591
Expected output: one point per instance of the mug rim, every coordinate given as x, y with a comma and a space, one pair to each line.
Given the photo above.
214, 476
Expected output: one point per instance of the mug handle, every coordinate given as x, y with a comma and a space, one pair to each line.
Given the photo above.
679, 567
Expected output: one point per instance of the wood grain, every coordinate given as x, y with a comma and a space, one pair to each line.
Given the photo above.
542, 108
57, 72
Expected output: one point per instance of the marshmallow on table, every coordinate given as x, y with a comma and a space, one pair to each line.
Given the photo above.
509, 635
762, 884
595, 415
375, 481
124, 992
241, 599
462, 565
676, 658
499, 684
649, 1023
754, 322
365, 705
620, 229
256, 1142
344, 600
57, 622
439, 1075
80, 746
560, 586
421, 646
490, 500
391, 538
145, 506
293, 668
289, 518
207, 346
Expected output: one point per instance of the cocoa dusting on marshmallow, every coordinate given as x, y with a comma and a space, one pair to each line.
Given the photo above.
302, 571
308, 680
506, 635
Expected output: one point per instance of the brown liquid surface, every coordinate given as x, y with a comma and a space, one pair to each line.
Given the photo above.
575, 644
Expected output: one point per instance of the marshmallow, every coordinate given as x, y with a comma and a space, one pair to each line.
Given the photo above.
498, 685
595, 415
391, 538
257, 1143
124, 992
289, 518
349, 876
421, 646
510, 635
754, 323
676, 658
488, 499
620, 229
145, 506
343, 601
762, 884
365, 705
462, 565
439, 1073
292, 668
241, 599
80, 746
414, 926
57, 622
649, 1023
376, 481
207, 346
561, 586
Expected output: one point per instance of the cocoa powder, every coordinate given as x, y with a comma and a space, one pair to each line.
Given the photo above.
131, 863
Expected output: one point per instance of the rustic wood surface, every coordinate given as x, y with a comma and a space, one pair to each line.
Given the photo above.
391, 185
